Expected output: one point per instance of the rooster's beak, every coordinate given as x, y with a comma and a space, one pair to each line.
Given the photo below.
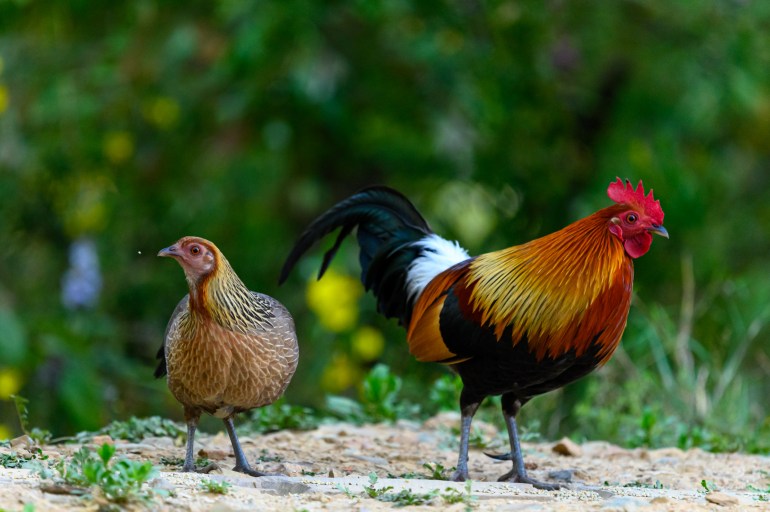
659, 230
169, 252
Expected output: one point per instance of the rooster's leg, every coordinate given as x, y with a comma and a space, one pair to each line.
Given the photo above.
511, 405
192, 416
468, 408
241, 464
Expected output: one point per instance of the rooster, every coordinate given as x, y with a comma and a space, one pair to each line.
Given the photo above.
517, 322
226, 349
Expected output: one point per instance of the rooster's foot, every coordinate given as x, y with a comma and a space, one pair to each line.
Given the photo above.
513, 477
247, 470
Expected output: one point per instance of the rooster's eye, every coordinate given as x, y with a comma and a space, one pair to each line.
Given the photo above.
631, 218
195, 249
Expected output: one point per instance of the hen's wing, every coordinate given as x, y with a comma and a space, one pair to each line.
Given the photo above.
160, 371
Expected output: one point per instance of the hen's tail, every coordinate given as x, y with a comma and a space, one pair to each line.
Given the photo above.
399, 252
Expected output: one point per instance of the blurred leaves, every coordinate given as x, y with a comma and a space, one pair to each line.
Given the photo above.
13, 337
135, 124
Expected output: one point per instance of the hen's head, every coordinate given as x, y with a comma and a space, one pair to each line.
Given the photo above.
639, 217
197, 256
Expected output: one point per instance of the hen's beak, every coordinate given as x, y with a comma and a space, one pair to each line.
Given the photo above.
171, 251
659, 230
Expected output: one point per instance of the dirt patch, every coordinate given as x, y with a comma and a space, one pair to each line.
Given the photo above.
328, 469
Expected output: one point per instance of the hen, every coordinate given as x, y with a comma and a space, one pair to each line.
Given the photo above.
226, 349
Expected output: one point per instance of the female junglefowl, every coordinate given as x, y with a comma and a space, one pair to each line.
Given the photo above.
517, 322
226, 349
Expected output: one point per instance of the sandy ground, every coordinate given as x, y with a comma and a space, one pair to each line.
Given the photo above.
328, 468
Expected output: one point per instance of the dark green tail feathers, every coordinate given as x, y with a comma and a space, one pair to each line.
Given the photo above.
388, 225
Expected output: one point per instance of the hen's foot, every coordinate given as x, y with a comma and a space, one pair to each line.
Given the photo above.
205, 469
537, 484
459, 476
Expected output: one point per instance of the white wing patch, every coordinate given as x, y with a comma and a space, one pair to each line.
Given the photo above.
438, 255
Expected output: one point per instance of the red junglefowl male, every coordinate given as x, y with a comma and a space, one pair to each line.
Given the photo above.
226, 349
517, 322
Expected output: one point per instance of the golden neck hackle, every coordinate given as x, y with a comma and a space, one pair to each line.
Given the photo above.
222, 297
542, 288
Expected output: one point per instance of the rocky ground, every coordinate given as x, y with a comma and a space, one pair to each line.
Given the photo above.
328, 469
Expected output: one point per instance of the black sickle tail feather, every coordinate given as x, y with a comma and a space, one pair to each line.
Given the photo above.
160, 371
388, 224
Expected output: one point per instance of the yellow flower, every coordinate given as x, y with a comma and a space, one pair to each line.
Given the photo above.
162, 111
118, 146
334, 299
5, 432
5, 98
339, 375
10, 383
83, 204
367, 343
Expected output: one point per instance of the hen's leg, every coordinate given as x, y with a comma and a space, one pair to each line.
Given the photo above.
241, 464
511, 405
468, 407
191, 417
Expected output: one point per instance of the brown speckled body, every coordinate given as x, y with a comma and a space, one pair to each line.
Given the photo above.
223, 371
226, 349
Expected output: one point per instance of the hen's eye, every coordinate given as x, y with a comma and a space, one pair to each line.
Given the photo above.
631, 218
195, 249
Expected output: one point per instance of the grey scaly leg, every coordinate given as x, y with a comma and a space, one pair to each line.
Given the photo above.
241, 464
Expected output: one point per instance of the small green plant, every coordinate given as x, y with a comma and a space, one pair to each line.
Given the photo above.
281, 416
655, 485
409, 498
379, 400
28, 507
171, 461
762, 494
452, 496
372, 491
200, 462
436, 471
475, 440
444, 394
40, 436
14, 460
136, 429
87, 473
264, 456
344, 489
708, 486
411, 475
214, 487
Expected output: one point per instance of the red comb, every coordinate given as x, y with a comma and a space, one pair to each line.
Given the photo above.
625, 194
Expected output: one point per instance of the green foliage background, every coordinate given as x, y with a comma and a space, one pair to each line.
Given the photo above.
134, 123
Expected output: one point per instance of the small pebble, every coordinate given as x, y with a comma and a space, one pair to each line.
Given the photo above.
102, 439
720, 498
568, 447
562, 475
21, 442
289, 469
213, 453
